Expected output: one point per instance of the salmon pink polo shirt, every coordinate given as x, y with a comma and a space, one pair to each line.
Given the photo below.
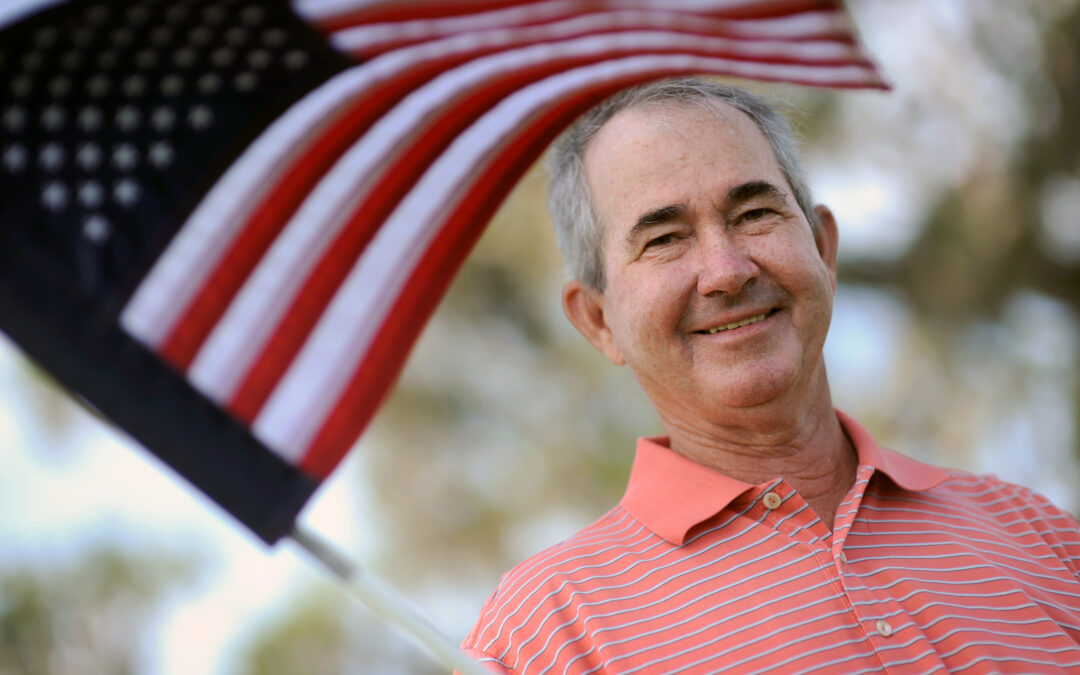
927, 571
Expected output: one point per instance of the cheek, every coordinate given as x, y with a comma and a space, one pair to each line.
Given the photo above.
647, 308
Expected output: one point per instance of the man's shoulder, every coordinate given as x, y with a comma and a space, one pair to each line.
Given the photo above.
574, 560
992, 490
552, 580
987, 501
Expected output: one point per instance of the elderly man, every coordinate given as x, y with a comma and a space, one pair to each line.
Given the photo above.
767, 531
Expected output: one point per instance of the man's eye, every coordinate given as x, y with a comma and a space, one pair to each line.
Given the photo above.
660, 241
754, 214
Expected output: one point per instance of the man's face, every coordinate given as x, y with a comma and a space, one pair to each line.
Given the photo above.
718, 295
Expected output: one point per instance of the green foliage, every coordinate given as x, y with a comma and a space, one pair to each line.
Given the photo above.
86, 616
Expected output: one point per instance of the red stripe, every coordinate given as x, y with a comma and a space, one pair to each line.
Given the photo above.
690, 25
382, 196
391, 13
394, 10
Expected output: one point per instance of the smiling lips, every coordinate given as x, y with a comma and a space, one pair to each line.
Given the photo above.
737, 324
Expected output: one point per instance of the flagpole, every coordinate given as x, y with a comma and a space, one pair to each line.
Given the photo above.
387, 604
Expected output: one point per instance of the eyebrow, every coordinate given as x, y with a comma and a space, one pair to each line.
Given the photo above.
664, 214
752, 190
650, 219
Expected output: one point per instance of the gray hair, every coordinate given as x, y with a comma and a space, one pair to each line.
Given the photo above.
569, 201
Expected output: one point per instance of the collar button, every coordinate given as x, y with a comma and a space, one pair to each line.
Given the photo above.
771, 500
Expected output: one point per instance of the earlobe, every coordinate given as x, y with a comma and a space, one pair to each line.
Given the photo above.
827, 237
584, 306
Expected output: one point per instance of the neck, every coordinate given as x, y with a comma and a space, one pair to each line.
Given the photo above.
807, 448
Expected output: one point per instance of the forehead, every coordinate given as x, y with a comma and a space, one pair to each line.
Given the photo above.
658, 155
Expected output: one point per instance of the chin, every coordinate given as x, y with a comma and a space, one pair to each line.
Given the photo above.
759, 387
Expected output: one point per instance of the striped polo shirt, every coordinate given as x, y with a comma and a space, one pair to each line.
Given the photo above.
927, 571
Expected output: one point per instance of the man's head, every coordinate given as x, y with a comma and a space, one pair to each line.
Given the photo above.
569, 198
712, 284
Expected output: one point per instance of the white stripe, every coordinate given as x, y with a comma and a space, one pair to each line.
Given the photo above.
966, 606
248, 323
314, 382
166, 292
1030, 602
959, 511
313, 10
806, 49
873, 654
1019, 589
950, 542
820, 667
1013, 645
321, 10
792, 27
426, 29
13, 11
989, 556
994, 565
981, 626
1027, 661
732, 666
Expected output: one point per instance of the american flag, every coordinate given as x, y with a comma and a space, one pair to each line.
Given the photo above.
223, 223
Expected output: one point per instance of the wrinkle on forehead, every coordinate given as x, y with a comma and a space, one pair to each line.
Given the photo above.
660, 113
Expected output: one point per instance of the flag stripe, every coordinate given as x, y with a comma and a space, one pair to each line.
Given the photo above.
811, 24
424, 19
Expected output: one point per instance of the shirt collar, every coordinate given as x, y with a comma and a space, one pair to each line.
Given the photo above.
908, 473
671, 494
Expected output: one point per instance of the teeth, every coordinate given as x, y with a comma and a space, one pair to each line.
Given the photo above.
737, 324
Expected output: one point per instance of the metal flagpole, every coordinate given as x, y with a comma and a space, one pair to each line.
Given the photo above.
387, 604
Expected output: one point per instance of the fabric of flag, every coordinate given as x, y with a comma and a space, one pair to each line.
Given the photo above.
223, 223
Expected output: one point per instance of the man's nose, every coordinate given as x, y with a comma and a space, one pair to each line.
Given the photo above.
724, 266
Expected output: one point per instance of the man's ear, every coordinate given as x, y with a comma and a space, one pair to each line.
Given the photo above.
827, 239
584, 306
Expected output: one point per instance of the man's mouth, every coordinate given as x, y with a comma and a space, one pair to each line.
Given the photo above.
736, 324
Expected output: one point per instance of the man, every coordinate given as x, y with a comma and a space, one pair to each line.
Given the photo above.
767, 532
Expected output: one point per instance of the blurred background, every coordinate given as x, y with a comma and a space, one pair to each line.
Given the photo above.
955, 339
